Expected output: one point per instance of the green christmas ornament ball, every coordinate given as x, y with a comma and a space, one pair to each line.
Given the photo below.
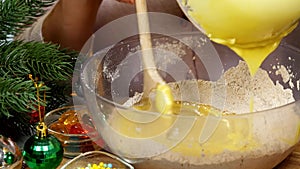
9, 158
42, 151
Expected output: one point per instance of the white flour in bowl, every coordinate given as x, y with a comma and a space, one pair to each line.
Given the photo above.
273, 133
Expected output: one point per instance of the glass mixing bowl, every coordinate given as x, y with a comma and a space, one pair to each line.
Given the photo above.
258, 140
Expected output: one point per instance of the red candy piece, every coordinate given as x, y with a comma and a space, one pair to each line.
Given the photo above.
77, 129
34, 115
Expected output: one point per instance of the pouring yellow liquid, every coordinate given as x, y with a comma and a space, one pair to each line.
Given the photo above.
251, 28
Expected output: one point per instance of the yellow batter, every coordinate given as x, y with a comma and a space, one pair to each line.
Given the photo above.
232, 134
252, 28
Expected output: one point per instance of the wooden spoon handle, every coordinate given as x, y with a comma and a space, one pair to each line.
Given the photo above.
151, 76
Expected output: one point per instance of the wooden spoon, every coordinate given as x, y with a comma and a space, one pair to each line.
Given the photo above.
152, 79
164, 99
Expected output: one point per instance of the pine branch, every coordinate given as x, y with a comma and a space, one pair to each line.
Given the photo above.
15, 15
19, 59
59, 94
18, 95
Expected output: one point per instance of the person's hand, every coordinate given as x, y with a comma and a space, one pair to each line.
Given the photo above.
71, 23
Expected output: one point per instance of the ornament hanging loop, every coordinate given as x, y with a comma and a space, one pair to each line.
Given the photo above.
41, 129
38, 86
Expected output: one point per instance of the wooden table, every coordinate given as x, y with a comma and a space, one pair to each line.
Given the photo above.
291, 162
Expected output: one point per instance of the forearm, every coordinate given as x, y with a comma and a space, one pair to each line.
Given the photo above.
71, 23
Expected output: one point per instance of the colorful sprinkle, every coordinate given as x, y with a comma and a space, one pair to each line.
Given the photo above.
101, 165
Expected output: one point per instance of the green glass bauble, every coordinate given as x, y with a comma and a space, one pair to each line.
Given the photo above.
43, 152
9, 158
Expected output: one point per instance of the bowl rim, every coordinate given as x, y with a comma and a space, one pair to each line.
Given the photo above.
100, 153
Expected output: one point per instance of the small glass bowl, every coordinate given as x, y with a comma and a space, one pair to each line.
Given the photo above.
10, 146
73, 144
96, 157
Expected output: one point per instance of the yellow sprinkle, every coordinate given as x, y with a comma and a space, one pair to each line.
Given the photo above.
100, 164
95, 166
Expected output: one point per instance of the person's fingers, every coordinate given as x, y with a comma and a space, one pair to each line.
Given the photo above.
127, 1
